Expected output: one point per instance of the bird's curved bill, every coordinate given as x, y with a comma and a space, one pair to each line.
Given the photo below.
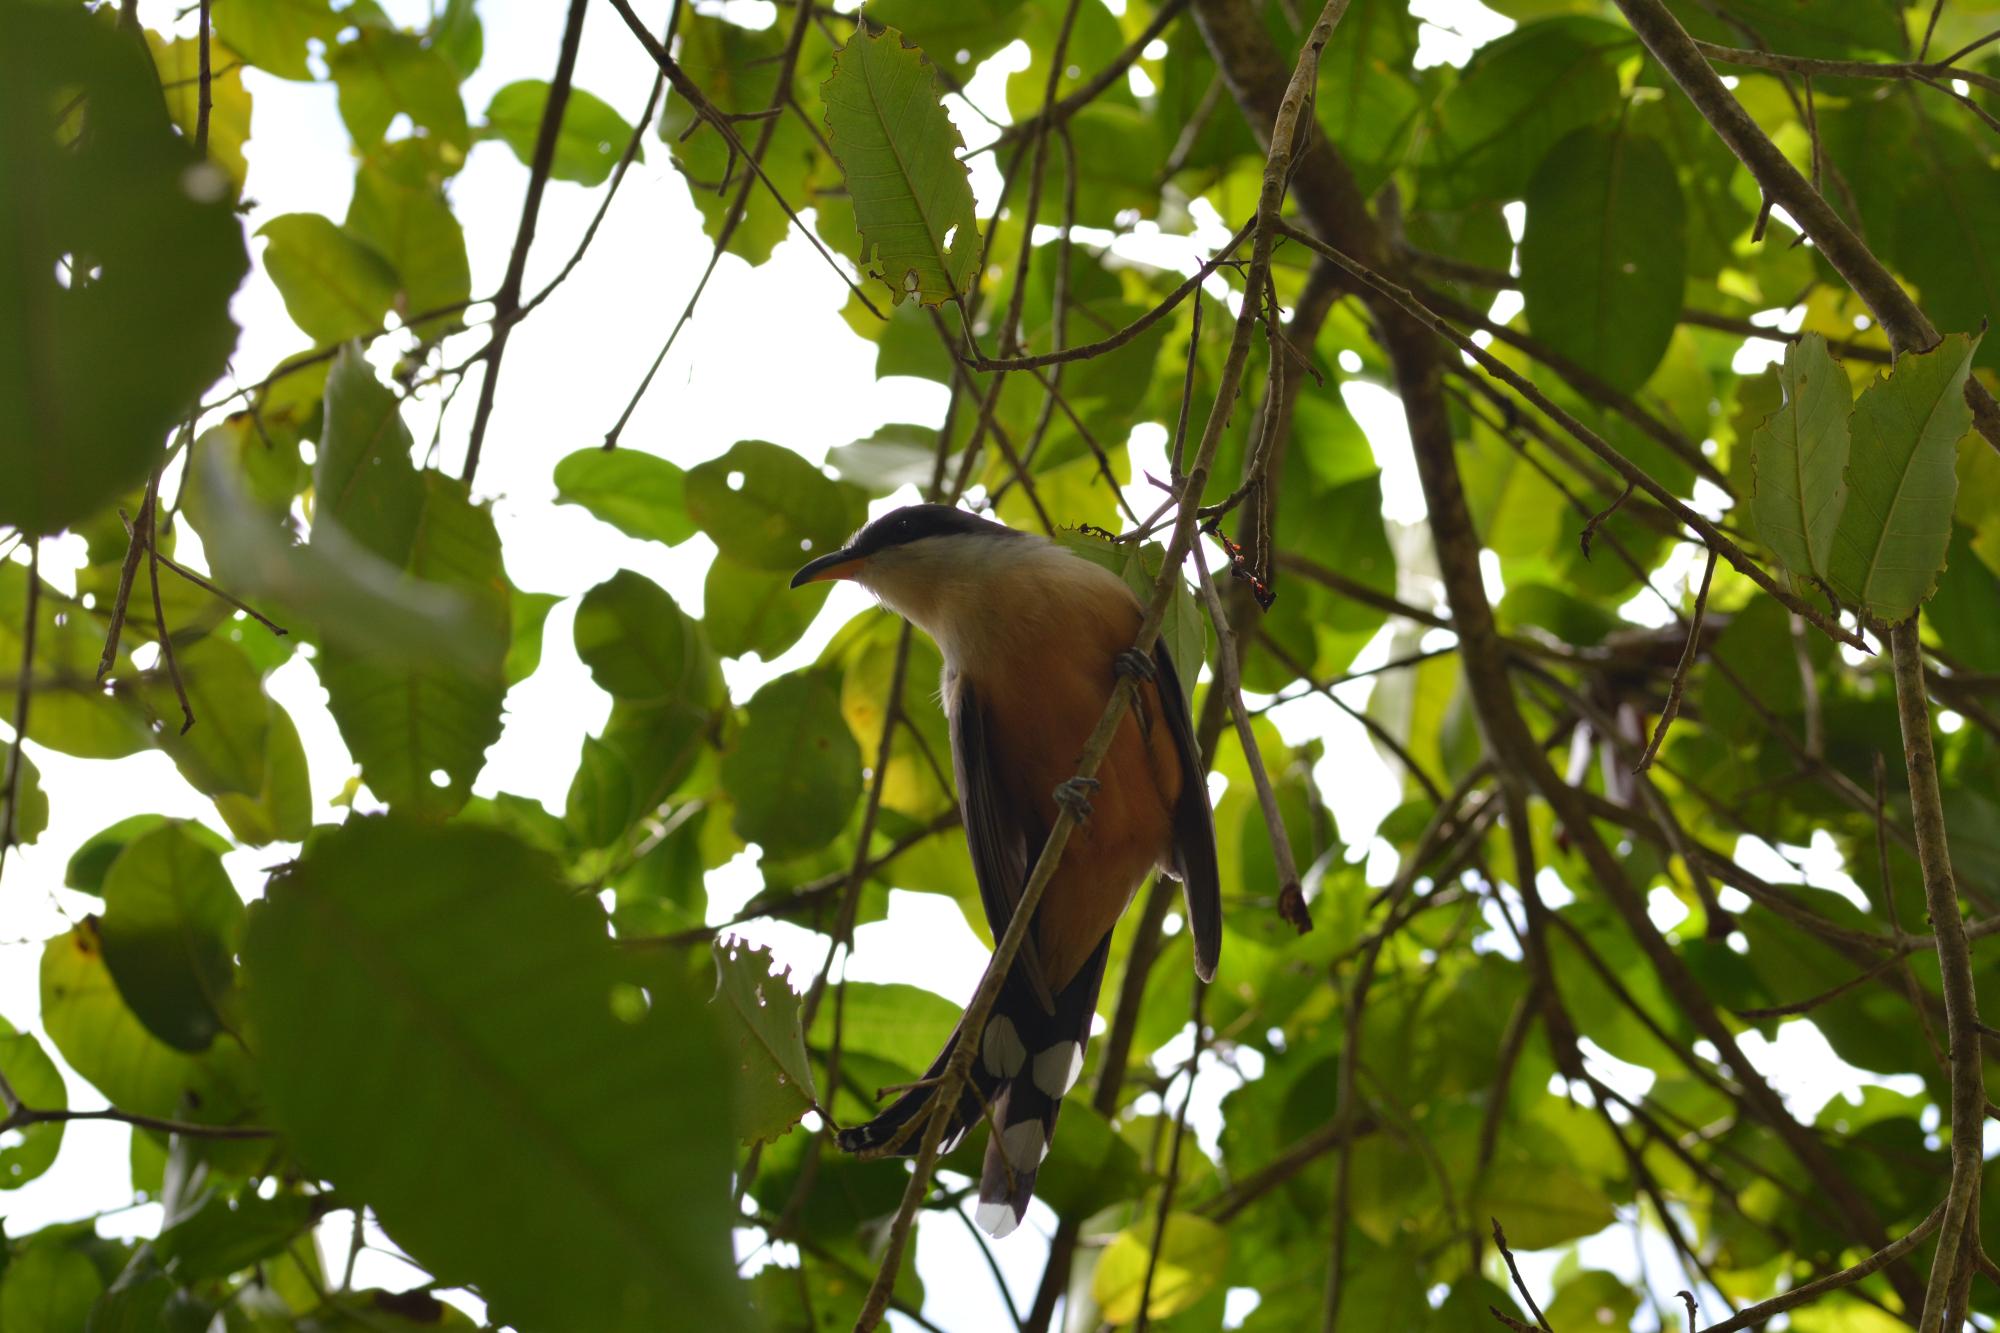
841, 564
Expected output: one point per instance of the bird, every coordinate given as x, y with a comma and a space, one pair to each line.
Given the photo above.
1034, 638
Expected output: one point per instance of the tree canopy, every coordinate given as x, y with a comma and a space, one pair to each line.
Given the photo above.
1687, 679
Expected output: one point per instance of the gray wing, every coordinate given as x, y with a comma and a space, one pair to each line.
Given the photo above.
1003, 839
1194, 826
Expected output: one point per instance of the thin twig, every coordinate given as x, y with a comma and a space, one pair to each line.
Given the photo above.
507, 304
1500, 1239
1679, 685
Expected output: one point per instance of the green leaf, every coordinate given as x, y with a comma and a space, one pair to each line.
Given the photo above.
758, 1012
94, 858
755, 610
588, 144
1800, 456
1542, 1205
399, 210
382, 72
31, 1149
103, 346
1944, 231
281, 808
1593, 1299
912, 196
1603, 255
353, 597
1966, 610
420, 730
600, 802
227, 750
1893, 534
1367, 103
764, 506
456, 32
448, 1034
363, 477
169, 932
24, 811
637, 493
48, 1288
274, 34
335, 286
524, 650
1194, 1253
638, 645
98, 1037
902, 1024
1518, 98
794, 771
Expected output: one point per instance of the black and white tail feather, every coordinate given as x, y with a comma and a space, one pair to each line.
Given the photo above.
1028, 1059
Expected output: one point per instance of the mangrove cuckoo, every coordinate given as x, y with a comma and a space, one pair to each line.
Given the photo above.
1033, 638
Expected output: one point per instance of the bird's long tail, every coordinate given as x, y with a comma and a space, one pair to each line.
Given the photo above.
1028, 1058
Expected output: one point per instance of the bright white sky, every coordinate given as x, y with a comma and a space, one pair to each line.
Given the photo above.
768, 357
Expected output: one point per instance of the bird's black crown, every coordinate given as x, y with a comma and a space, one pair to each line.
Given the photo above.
912, 523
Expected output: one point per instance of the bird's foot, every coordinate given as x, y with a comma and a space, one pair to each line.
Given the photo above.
1137, 665
1074, 796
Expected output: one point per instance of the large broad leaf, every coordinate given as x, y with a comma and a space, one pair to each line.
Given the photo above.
765, 506
758, 1013
588, 144
912, 196
794, 771
448, 1034
334, 285
1603, 255
32, 1149
1194, 1253
1518, 98
1896, 527
104, 346
169, 936
48, 1289
1800, 456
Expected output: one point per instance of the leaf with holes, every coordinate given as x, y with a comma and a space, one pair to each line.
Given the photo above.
1800, 458
912, 195
759, 1013
1893, 534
